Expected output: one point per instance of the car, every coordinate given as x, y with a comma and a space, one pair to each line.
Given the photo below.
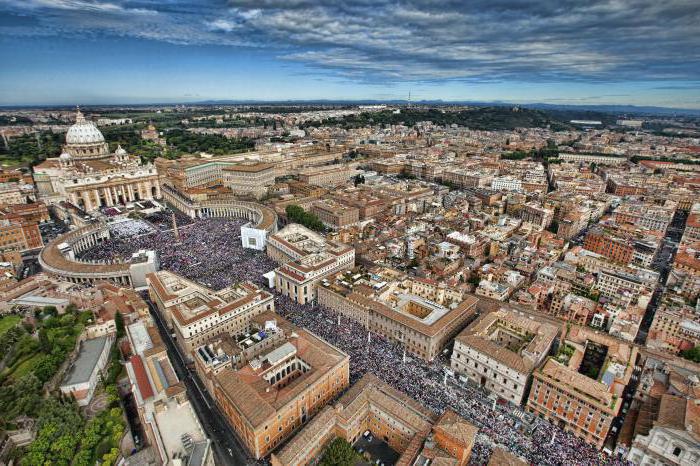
366, 434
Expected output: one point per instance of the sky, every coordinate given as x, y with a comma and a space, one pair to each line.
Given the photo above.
639, 52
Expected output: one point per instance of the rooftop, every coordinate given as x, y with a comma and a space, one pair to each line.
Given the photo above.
189, 301
535, 338
84, 365
250, 388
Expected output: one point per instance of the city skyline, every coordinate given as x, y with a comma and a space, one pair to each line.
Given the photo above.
142, 51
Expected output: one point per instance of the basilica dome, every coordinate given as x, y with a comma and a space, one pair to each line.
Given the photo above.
83, 132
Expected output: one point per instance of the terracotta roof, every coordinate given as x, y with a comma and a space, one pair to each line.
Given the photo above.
457, 428
257, 400
576, 384
501, 457
142, 382
476, 336
256, 167
677, 412
52, 257
467, 305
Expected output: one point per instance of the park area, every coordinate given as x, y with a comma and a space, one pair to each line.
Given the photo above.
34, 353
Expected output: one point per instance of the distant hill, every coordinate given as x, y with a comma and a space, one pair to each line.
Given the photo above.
616, 109
480, 118
619, 109
612, 109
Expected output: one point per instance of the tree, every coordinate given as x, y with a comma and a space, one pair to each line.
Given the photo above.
358, 179
119, 323
339, 453
692, 354
44, 343
297, 214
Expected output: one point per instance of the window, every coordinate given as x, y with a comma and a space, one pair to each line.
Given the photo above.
677, 451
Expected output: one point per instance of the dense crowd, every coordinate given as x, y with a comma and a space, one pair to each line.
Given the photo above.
209, 251
427, 383
129, 228
163, 220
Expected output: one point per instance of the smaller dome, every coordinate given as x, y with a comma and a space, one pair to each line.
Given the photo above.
65, 156
120, 150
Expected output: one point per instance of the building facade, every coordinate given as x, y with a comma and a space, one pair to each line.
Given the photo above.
306, 258
195, 313
281, 388
500, 350
417, 434
89, 176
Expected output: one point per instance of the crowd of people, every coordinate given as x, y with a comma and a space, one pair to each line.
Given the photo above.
428, 384
128, 228
209, 251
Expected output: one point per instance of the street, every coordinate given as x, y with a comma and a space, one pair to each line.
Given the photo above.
228, 449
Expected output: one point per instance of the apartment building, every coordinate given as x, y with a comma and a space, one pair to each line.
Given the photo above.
306, 259
335, 215
281, 387
581, 388
537, 215
473, 246
684, 278
19, 236
676, 327
417, 434
14, 192
621, 186
422, 317
500, 350
654, 218
691, 234
623, 248
195, 313
327, 176
36, 212
627, 284
506, 183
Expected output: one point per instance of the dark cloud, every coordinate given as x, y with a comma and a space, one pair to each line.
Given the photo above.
414, 40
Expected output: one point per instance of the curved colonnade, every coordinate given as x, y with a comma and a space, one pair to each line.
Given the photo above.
58, 257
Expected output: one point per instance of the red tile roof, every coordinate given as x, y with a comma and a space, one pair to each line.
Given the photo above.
142, 382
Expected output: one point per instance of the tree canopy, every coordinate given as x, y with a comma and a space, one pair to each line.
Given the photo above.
339, 453
297, 214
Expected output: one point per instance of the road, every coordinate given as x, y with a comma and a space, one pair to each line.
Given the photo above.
228, 449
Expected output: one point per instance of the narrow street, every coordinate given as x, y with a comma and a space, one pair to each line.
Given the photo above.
228, 449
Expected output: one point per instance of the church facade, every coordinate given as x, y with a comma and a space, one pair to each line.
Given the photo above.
87, 175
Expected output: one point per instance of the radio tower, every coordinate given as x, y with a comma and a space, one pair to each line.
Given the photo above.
409, 99
175, 230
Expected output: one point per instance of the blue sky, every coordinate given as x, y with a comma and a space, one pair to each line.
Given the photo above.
641, 52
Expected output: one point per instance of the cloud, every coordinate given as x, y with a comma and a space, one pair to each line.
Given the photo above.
222, 25
412, 40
